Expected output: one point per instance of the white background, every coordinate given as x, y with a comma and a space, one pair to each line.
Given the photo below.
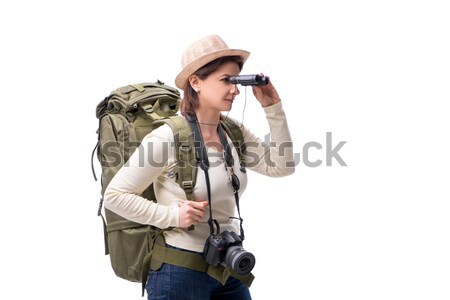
374, 73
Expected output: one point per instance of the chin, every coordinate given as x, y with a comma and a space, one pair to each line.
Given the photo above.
228, 105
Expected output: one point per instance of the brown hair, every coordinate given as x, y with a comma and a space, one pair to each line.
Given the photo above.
190, 98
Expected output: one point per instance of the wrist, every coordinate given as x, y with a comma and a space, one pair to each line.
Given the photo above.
270, 103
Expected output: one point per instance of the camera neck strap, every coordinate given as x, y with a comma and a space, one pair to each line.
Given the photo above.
229, 165
204, 165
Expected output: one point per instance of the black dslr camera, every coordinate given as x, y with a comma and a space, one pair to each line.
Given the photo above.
249, 79
226, 248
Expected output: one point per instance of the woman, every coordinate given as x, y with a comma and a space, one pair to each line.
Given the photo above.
206, 67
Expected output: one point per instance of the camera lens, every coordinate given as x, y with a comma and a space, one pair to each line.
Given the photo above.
244, 263
239, 260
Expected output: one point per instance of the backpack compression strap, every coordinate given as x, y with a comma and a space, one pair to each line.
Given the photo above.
235, 134
184, 153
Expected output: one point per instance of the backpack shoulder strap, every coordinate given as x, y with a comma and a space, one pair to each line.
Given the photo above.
235, 133
185, 154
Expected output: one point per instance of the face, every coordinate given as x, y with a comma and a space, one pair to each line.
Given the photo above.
216, 93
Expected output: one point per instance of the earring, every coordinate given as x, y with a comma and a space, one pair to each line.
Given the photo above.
196, 90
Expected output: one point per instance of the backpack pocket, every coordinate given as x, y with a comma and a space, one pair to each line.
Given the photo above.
128, 247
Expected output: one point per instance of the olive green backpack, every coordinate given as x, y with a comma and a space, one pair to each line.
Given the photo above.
126, 116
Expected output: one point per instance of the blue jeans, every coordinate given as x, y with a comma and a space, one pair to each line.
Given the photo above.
178, 283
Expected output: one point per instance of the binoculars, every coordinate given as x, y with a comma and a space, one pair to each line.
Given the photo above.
249, 79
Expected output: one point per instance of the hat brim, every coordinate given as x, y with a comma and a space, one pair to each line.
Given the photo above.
191, 68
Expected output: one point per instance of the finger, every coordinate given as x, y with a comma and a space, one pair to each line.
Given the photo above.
196, 210
255, 90
190, 219
197, 214
198, 218
199, 205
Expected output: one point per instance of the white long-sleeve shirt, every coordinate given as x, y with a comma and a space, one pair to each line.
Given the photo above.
154, 161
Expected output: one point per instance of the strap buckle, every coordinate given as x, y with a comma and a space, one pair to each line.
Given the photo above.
185, 147
188, 186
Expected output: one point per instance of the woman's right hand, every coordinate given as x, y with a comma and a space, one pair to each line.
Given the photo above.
191, 213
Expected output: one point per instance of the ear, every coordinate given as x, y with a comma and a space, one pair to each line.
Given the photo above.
194, 81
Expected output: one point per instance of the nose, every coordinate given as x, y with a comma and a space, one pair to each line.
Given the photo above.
234, 90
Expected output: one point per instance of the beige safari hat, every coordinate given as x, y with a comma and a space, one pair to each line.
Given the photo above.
202, 52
